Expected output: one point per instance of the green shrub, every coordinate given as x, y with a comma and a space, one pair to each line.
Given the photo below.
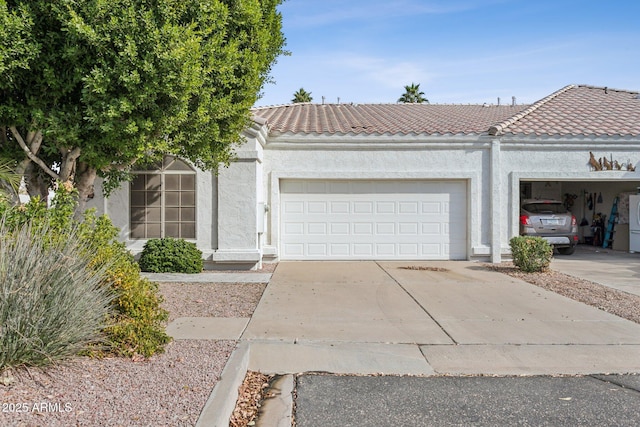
138, 322
169, 255
136, 325
53, 302
531, 254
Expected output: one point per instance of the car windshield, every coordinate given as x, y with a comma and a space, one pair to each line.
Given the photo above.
545, 207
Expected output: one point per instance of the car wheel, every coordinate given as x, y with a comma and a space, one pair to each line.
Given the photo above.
567, 250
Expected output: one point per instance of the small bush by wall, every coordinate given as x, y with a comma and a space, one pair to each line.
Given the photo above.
53, 303
531, 254
169, 255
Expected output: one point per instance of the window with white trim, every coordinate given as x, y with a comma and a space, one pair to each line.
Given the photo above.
163, 201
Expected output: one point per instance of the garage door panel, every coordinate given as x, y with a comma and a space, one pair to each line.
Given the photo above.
385, 249
363, 228
385, 208
317, 228
338, 187
317, 250
408, 208
386, 228
293, 207
434, 229
340, 228
363, 249
432, 208
409, 250
317, 207
293, 249
317, 187
362, 207
361, 187
373, 219
294, 228
432, 249
340, 250
291, 186
410, 228
340, 207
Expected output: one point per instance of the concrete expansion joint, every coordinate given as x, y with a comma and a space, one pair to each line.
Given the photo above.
422, 307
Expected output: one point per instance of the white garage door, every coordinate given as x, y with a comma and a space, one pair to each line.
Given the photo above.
373, 220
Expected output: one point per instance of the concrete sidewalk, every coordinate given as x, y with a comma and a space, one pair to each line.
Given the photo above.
615, 269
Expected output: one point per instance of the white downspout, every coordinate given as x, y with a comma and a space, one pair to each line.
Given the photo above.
496, 204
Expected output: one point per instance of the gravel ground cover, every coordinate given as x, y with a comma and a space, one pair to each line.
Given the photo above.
169, 389
205, 300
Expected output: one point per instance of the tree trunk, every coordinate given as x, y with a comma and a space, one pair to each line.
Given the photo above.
85, 179
37, 185
68, 164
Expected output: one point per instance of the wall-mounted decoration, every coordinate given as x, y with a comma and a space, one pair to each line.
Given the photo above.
604, 164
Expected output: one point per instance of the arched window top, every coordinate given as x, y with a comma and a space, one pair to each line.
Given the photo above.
169, 164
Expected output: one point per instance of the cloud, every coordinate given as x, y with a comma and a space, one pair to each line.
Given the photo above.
388, 72
312, 13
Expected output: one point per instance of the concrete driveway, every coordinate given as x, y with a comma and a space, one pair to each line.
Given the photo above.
616, 269
429, 318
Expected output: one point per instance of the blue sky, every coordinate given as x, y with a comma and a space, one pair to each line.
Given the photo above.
459, 51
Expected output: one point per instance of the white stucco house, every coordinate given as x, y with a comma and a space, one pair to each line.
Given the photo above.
388, 181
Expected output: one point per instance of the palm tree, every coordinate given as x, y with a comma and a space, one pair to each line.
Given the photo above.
302, 96
9, 182
413, 95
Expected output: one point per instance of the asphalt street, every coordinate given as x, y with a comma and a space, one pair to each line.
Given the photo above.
595, 400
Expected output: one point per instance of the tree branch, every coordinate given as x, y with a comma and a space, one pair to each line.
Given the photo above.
35, 159
35, 140
121, 167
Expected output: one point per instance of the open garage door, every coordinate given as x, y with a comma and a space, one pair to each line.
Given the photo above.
591, 202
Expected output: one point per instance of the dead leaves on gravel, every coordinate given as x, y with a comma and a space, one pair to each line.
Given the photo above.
250, 396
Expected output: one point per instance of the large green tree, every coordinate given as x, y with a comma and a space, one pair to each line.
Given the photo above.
94, 87
413, 95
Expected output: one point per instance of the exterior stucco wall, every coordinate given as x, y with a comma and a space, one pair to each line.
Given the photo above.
380, 158
238, 211
98, 202
240, 205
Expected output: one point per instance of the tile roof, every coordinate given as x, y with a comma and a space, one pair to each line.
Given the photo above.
380, 119
575, 110
578, 110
